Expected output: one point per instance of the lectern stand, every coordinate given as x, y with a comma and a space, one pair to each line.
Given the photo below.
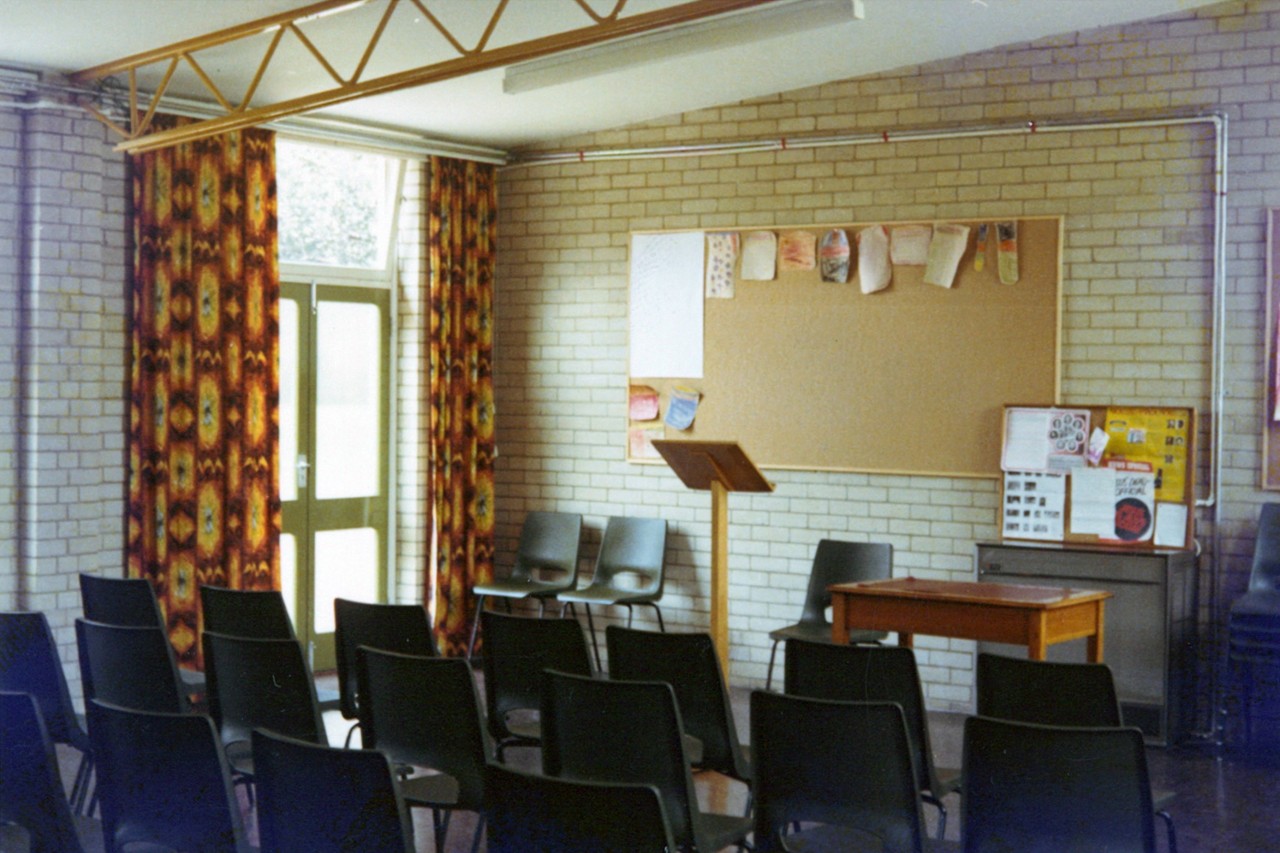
721, 467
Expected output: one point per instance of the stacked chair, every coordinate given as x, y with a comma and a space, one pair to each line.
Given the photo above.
1253, 633
130, 666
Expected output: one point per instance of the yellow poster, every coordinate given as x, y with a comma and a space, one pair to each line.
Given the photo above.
1159, 437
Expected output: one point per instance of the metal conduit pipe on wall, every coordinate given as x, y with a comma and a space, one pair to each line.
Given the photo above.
1217, 393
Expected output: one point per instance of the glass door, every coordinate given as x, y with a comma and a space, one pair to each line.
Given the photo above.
334, 410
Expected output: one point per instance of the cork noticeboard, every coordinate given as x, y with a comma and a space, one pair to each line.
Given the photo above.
814, 375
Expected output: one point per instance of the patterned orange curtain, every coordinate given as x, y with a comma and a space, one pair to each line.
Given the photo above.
204, 380
461, 218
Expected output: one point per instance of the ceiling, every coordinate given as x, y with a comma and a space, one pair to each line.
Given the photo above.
69, 35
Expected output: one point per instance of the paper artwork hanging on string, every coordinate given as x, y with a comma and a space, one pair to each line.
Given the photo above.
945, 250
833, 256
909, 244
874, 269
759, 256
722, 256
643, 403
796, 251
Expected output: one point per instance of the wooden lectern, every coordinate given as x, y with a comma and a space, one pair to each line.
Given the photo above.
722, 467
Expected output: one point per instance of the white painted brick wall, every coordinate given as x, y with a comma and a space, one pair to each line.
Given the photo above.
1136, 287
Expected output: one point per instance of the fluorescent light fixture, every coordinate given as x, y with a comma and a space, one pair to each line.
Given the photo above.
778, 19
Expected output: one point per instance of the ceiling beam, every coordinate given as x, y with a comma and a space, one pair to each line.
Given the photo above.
138, 136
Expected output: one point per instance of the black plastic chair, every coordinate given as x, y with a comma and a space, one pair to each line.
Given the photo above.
546, 564
29, 663
838, 764
400, 628
1035, 691
325, 800
425, 712
834, 561
529, 811
164, 782
259, 683
130, 666
1055, 788
258, 614
1253, 629
599, 730
516, 651
130, 602
873, 674
31, 793
630, 570
688, 662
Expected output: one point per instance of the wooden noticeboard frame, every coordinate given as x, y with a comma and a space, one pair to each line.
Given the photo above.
1271, 427
815, 375
1173, 427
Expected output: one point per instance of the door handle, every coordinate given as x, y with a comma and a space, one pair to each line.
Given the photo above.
300, 469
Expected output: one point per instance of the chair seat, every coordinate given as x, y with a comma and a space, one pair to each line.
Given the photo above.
840, 839
817, 632
522, 588
718, 831
607, 595
1263, 604
948, 781
433, 790
192, 681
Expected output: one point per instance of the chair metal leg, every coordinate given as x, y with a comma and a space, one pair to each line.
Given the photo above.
80, 787
628, 606
591, 629
936, 802
475, 839
1168, 825
475, 626
441, 826
658, 613
773, 653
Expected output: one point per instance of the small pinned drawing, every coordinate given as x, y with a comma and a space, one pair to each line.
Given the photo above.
980, 254
1007, 251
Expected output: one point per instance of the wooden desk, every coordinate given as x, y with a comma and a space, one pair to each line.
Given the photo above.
1033, 616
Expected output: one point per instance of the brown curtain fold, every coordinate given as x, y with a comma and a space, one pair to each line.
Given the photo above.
203, 504
461, 216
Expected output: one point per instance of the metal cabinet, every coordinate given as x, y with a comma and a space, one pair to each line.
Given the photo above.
1150, 621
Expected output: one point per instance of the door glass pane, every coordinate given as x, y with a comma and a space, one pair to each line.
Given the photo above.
348, 380
346, 567
289, 573
288, 400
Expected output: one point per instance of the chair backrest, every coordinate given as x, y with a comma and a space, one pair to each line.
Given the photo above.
326, 800
529, 811
549, 541
1046, 692
163, 779
31, 792
597, 730
119, 601
130, 666
29, 663
688, 662
1265, 572
426, 712
260, 683
632, 555
846, 764
246, 613
836, 561
864, 674
516, 651
1061, 788
400, 628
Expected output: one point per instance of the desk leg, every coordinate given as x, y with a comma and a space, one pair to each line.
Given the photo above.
720, 573
839, 620
1095, 639
1036, 645
905, 639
